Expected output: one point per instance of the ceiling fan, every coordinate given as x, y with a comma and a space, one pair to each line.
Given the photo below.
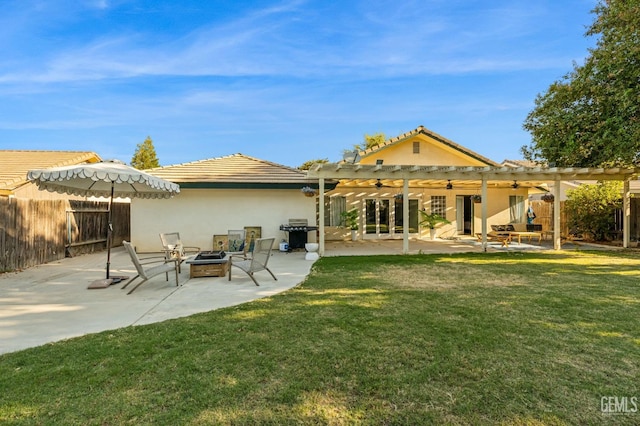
379, 185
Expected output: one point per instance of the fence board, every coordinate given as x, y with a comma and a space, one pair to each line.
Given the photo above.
33, 232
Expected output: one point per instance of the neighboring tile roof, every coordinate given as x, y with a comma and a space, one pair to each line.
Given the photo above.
236, 169
519, 163
423, 130
14, 164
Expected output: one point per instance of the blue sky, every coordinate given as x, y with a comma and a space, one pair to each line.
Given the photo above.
281, 80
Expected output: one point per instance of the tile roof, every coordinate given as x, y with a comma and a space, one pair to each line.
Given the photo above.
520, 163
423, 130
14, 164
231, 169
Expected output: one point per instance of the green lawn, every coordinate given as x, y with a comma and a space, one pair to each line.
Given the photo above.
500, 338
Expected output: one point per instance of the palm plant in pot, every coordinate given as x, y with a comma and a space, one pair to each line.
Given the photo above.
350, 220
431, 220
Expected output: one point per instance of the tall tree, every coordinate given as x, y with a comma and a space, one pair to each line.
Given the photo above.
592, 116
145, 156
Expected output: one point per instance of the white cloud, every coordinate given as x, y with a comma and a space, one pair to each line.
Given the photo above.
287, 40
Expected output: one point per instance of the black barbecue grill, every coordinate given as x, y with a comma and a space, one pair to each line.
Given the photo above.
297, 229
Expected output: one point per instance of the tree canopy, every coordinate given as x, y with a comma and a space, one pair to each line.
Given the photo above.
369, 141
308, 164
145, 156
591, 117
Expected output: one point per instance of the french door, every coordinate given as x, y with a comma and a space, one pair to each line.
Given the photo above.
383, 217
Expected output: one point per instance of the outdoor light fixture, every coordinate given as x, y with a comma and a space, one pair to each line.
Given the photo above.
515, 185
449, 184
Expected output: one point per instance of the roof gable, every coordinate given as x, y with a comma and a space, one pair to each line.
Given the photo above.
232, 171
433, 149
14, 164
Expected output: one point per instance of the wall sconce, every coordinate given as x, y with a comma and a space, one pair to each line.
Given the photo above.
449, 184
515, 185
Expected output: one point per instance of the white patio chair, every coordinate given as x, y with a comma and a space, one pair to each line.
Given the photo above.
163, 266
257, 262
174, 249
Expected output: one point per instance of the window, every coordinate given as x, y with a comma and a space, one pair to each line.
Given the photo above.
416, 147
333, 208
516, 209
439, 205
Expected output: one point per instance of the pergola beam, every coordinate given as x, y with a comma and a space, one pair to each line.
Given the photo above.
466, 173
478, 176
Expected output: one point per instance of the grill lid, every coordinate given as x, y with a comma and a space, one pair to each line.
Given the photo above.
298, 222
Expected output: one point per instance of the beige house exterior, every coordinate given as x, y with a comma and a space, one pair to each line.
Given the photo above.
420, 170
380, 207
222, 194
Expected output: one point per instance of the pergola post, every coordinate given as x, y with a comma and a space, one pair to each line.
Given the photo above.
557, 243
321, 214
405, 216
483, 210
626, 210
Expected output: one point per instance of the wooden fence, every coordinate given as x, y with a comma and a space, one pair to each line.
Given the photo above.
544, 216
33, 232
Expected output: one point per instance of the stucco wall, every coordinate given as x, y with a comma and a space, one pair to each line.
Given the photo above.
198, 214
431, 153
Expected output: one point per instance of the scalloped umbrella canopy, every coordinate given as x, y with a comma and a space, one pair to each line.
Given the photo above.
107, 179
104, 179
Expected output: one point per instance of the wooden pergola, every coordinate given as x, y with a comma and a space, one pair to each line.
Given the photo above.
471, 177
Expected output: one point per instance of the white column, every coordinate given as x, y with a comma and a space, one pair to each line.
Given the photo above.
405, 216
483, 210
557, 243
321, 216
626, 211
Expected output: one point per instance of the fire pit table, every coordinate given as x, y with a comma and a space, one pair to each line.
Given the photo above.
209, 264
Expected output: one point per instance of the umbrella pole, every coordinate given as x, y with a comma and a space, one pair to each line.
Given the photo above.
109, 231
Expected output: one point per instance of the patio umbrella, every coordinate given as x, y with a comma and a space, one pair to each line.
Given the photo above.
107, 179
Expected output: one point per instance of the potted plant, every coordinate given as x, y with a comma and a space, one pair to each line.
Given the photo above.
350, 220
430, 220
548, 197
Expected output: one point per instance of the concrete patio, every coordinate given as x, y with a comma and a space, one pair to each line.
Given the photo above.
51, 302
